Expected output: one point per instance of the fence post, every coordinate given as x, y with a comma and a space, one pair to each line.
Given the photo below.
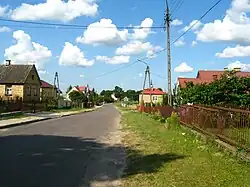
219, 122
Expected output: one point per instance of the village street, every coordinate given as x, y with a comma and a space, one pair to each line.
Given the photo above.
79, 150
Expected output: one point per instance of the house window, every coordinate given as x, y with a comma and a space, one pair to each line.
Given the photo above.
33, 77
8, 90
155, 98
29, 91
35, 91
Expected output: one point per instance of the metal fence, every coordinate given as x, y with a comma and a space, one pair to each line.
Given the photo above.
231, 125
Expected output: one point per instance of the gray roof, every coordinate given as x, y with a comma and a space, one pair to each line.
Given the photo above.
14, 74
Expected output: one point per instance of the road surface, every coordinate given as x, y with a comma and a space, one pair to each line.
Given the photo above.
74, 151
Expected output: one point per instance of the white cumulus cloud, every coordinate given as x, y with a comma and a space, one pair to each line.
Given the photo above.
238, 51
142, 33
5, 29
194, 43
27, 52
55, 10
233, 27
176, 22
3, 10
183, 68
121, 59
195, 24
138, 47
103, 32
180, 42
238, 64
72, 56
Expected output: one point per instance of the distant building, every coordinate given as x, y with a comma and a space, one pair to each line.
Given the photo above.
47, 91
83, 89
19, 81
204, 76
156, 94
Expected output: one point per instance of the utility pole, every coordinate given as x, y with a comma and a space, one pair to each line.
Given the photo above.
56, 90
167, 24
147, 73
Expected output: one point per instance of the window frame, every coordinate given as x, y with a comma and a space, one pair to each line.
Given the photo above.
29, 91
35, 91
8, 88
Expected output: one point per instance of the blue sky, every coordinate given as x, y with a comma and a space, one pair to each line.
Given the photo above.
221, 39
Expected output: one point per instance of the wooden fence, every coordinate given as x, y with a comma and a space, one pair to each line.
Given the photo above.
19, 105
165, 111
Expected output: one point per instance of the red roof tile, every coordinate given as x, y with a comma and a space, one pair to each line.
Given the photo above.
81, 88
45, 84
154, 91
204, 76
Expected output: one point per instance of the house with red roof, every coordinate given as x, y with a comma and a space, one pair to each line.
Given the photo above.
155, 93
47, 91
204, 76
82, 89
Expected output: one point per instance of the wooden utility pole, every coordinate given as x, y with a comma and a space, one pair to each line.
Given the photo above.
167, 24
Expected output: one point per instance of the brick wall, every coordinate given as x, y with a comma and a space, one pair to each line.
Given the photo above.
2, 90
47, 93
17, 91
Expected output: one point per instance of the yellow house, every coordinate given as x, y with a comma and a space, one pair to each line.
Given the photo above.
47, 91
19, 82
156, 96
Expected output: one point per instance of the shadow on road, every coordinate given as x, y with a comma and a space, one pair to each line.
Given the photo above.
55, 161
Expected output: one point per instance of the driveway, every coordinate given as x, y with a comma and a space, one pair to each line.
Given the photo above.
80, 150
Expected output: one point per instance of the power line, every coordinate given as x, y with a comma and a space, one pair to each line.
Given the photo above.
178, 6
211, 8
117, 69
77, 26
146, 58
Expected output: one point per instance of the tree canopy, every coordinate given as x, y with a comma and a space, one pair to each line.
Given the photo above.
227, 90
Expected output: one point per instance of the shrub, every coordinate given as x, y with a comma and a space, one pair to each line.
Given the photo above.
173, 121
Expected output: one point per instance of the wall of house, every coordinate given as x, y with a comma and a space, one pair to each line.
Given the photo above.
47, 93
2, 91
32, 87
146, 98
73, 89
17, 92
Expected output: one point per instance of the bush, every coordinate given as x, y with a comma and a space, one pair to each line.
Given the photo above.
173, 121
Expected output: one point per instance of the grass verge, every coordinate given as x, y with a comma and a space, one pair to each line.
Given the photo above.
70, 110
15, 116
175, 157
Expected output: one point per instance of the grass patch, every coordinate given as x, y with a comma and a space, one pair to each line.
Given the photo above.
175, 157
14, 116
70, 110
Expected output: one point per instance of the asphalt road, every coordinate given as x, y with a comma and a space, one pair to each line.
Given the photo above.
64, 152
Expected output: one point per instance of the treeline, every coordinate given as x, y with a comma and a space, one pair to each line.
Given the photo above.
120, 94
228, 90
104, 96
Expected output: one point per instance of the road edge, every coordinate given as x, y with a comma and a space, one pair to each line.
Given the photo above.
45, 118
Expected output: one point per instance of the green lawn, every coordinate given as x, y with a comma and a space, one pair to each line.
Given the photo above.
69, 109
14, 116
157, 156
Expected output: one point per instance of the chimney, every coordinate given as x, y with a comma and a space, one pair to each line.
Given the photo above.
237, 69
8, 62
